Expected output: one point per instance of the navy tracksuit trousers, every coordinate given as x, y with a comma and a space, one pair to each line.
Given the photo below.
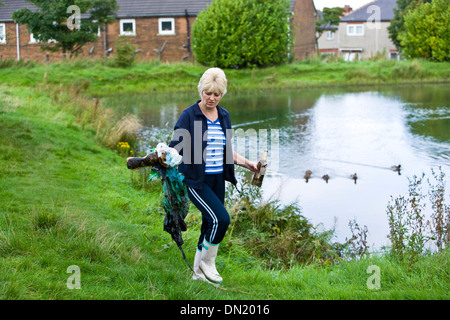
210, 201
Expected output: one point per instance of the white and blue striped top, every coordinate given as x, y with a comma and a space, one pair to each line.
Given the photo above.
214, 148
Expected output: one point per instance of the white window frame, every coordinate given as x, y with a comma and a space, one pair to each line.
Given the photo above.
127, 33
166, 32
3, 35
330, 35
98, 29
351, 53
32, 39
352, 30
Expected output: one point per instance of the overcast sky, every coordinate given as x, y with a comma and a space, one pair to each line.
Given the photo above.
355, 4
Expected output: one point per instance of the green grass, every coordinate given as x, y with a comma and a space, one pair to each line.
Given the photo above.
66, 200
102, 78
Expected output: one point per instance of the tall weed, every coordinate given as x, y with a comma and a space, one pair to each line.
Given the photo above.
44, 219
123, 130
440, 218
413, 70
278, 234
9, 63
91, 114
357, 245
410, 232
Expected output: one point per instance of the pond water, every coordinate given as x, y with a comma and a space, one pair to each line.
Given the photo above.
337, 132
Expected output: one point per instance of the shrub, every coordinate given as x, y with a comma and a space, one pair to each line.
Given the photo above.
125, 54
242, 33
426, 33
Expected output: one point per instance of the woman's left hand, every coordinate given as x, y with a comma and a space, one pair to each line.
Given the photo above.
243, 162
252, 165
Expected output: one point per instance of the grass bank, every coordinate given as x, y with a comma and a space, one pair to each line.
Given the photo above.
68, 201
101, 78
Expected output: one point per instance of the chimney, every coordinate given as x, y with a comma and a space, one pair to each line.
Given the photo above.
347, 9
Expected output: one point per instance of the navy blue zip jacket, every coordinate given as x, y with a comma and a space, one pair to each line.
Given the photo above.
190, 140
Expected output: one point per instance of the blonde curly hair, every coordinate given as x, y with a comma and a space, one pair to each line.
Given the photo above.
213, 80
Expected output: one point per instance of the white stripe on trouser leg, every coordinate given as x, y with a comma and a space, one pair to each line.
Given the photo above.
210, 211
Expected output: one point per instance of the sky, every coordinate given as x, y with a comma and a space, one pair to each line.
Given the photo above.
355, 4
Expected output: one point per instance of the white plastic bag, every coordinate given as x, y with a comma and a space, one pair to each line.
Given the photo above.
172, 156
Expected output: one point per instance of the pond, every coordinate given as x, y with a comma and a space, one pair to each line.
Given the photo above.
337, 132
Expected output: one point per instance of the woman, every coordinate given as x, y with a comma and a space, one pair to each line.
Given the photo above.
202, 135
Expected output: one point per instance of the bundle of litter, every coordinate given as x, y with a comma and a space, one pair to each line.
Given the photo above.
175, 200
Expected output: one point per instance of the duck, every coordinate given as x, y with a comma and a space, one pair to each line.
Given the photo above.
354, 177
307, 175
397, 168
326, 177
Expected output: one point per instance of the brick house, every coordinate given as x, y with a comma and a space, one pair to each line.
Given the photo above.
159, 29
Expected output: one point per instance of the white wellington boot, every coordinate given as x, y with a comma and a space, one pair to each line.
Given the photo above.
198, 274
208, 262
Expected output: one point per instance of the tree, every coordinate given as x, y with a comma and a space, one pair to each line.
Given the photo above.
396, 26
50, 24
426, 31
243, 33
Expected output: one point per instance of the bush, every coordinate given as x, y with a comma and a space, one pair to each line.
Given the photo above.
242, 33
125, 54
426, 33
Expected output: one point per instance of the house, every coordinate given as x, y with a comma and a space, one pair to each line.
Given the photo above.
327, 41
304, 26
362, 33
159, 29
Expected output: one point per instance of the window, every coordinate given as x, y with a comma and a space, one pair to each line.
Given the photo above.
330, 35
352, 54
32, 38
127, 27
98, 28
394, 56
166, 26
2, 33
355, 30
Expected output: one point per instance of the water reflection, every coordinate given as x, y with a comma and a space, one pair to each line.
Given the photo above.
333, 132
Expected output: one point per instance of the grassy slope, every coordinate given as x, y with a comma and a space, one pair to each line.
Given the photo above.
67, 201
146, 77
